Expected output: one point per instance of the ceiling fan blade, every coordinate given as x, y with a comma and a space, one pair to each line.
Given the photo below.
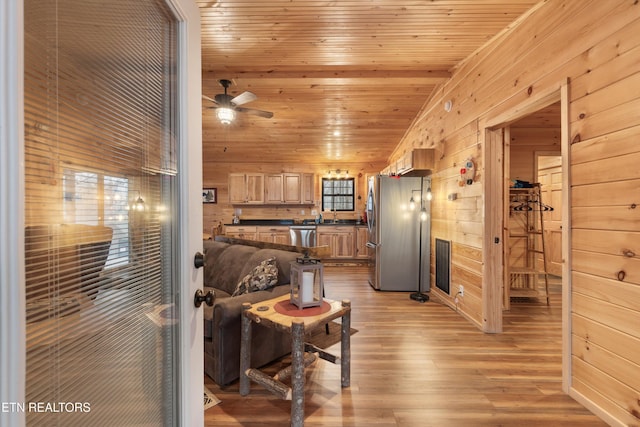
261, 113
209, 99
244, 97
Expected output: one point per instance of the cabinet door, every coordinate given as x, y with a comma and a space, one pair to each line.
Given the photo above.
273, 235
255, 188
282, 237
274, 184
308, 188
340, 239
240, 232
362, 237
344, 244
263, 235
292, 188
325, 239
237, 188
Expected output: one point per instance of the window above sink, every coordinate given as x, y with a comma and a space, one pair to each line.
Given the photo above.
338, 194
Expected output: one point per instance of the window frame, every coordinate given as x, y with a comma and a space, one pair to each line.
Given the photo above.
352, 195
115, 260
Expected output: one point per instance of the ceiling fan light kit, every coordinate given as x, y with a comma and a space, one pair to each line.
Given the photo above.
225, 115
227, 106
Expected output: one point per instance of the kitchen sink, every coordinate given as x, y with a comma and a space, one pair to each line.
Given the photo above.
339, 221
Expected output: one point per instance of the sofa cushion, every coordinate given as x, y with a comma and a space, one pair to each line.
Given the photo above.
263, 276
212, 251
283, 262
231, 266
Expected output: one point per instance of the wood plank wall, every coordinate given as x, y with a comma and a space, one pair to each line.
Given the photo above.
596, 45
215, 174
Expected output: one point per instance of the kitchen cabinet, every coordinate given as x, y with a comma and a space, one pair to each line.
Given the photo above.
241, 232
246, 188
340, 239
273, 188
292, 188
270, 234
283, 188
418, 159
308, 188
362, 237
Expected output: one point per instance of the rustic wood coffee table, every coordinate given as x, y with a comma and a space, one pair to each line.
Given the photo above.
280, 314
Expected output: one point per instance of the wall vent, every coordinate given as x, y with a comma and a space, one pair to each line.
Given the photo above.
443, 265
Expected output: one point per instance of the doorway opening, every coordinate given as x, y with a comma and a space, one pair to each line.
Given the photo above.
533, 209
504, 164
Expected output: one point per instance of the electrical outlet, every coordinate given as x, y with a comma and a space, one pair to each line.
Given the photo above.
461, 290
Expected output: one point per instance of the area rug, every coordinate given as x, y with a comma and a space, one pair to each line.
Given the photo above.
210, 399
321, 339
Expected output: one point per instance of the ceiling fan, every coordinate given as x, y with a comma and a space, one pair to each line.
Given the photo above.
226, 105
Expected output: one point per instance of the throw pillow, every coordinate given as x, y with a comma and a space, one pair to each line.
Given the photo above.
263, 276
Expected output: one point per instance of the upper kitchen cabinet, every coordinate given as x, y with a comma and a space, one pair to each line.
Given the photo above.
418, 160
279, 188
289, 188
246, 188
274, 188
283, 188
308, 187
292, 188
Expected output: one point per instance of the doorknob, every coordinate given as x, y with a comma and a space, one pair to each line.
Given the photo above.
198, 260
201, 297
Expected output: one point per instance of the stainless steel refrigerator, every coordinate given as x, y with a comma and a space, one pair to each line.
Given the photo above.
399, 240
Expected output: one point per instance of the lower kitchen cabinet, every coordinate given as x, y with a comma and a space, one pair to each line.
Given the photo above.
362, 237
340, 239
273, 235
344, 241
241, 232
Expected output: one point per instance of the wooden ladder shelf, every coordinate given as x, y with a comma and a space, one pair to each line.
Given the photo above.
528, 276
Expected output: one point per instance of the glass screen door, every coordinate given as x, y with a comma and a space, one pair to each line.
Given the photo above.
103, 215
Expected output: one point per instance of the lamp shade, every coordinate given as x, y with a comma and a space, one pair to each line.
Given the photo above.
225, 115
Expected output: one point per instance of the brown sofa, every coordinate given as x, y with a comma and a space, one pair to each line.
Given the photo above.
225, 265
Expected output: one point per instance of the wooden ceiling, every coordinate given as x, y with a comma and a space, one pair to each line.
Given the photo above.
344, 78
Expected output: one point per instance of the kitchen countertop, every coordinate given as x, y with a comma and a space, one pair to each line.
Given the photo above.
271, 222
288, 222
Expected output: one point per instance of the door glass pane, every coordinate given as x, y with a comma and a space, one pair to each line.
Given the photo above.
100, 237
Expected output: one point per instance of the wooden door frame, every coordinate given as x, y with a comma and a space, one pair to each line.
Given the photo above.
494, 212
492, 237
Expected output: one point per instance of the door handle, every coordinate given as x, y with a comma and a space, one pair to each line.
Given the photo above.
201, 297
198, 260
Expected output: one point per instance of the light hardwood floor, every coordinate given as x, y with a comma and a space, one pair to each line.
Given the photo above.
422, 365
